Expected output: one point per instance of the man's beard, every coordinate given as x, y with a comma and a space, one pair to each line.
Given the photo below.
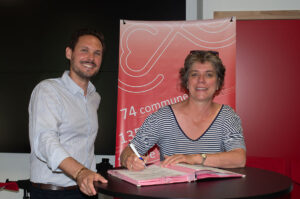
83, 75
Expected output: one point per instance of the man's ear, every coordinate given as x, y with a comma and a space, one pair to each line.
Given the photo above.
68, 53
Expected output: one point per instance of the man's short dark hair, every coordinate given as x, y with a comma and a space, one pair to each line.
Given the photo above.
86, 31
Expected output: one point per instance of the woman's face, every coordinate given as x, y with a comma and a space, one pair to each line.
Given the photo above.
202, 81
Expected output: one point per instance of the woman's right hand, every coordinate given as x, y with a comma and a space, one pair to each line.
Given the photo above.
131, 161
134, 163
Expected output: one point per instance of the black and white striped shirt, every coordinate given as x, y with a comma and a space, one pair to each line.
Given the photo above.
224, 134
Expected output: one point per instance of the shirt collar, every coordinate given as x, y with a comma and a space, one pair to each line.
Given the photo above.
73, 87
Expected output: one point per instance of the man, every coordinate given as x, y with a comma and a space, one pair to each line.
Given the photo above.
63, 124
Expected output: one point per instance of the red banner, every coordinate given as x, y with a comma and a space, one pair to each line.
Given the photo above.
150, 56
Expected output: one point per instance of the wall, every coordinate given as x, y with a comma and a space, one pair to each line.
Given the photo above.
194, 9
209, 6
33, 37
267, 90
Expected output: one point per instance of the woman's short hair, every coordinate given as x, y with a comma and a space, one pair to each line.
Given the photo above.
203, 56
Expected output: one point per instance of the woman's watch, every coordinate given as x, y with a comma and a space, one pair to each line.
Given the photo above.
204, 156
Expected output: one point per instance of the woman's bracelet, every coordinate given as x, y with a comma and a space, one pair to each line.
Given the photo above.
78, 172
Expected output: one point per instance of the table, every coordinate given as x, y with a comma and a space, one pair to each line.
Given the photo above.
257, 183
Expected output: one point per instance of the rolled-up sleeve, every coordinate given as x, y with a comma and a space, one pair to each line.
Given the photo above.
44, 120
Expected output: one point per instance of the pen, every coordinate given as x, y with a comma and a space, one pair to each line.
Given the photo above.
136, 153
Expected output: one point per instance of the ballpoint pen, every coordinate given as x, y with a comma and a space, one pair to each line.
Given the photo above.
136, 153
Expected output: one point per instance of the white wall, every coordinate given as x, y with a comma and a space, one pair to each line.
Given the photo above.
209, 6
15, 166
193, 9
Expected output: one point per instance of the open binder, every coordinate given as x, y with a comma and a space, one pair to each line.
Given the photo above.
154, 174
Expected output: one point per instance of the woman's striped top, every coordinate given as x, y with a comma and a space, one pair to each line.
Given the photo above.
224, 134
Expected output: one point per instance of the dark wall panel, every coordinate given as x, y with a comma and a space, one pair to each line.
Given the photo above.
33, 37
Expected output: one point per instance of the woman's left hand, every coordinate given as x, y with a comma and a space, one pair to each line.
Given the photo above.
177, 158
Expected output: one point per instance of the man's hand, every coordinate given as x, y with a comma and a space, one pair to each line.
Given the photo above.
83, 176
85, 181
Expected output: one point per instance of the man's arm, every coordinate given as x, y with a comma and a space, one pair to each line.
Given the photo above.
83, 176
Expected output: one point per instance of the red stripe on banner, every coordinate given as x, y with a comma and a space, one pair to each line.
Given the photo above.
150, 57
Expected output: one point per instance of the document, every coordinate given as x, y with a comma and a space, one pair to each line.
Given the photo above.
154, 174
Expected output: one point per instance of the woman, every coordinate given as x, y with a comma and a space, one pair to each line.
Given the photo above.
197, 130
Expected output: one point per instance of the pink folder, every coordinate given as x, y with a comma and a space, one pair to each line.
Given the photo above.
155, 175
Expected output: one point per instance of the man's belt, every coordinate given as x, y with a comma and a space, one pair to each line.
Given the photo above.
52, 187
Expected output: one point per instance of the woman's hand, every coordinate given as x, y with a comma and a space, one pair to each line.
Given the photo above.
182, 158
235, 158
131, 161
134, 163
